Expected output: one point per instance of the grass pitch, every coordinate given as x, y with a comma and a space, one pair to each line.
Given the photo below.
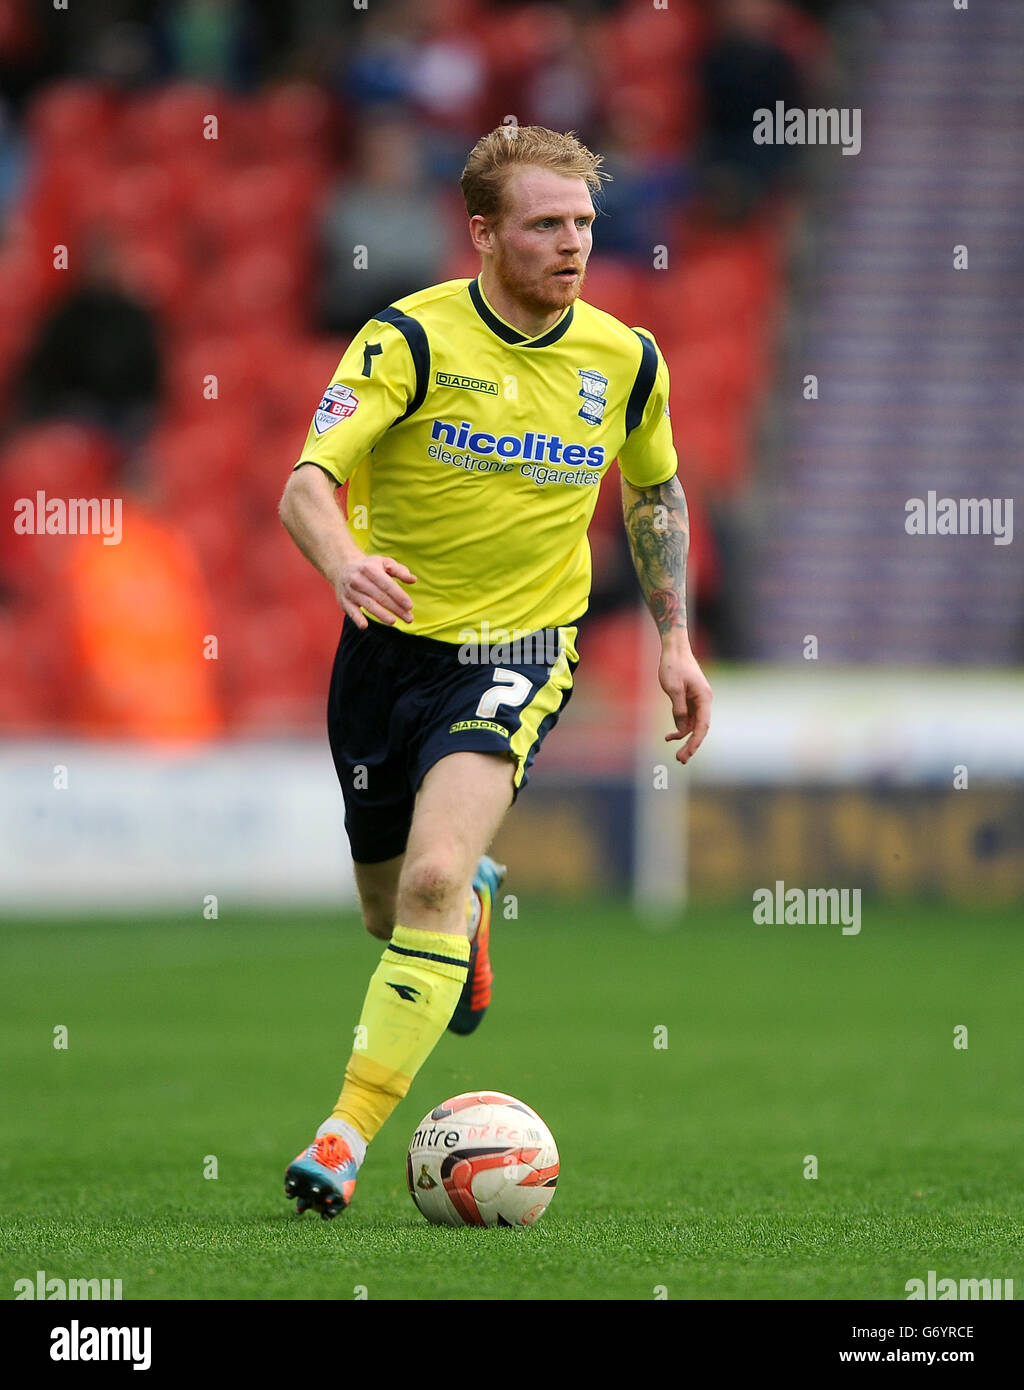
682, 1165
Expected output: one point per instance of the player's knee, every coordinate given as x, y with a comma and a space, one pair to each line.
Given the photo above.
433, 882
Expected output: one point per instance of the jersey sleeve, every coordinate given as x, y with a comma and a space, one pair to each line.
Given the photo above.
373, 387
648, 457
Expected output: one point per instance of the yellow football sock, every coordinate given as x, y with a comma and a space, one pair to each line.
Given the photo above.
409, 1004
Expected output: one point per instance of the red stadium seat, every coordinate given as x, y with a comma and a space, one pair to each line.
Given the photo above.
193, 183
287, 393
738, 271
703, 296
66, 195
270, 466
140, 198
34, 666
165, 123
723, 366
261, 288
204, 458
154, 270
619, 289
642, 38
514, 45
276, 670
71, 116
215, 530
260, 202
296, 376
292, 118
60, 457
657, 111
320, 362
23, 280
224, 364
713, 447
275, 569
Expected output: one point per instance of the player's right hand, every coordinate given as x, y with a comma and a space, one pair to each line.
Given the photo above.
369, 583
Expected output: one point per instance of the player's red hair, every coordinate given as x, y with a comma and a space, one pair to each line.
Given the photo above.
491, 158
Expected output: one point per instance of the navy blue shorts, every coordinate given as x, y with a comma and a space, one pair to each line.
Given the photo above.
399, 703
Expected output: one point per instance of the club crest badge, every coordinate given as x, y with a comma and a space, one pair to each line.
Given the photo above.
592, 388
338, 403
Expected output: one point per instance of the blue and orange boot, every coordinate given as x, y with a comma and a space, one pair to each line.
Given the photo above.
476, 992
322, 1177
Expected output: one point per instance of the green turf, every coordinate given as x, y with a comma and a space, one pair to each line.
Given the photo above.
682, 1168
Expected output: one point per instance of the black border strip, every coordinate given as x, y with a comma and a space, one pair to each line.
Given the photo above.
415, 335
427, 955
646, 376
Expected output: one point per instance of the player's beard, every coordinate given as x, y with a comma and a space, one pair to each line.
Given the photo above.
539, 294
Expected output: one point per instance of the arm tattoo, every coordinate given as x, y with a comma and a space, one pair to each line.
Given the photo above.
658, 528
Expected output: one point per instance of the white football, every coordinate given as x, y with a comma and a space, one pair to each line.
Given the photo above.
482, 1159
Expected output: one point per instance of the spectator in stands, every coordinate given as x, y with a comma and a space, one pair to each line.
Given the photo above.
424, 57
646, 192
96, 357
379, 68
215, 41
387, 208
112, 640
560, 89
139, 627
743, 69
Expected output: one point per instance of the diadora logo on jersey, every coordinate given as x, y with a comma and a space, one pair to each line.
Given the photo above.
338, 403
463, 726
467, 383
531, 447
592, 388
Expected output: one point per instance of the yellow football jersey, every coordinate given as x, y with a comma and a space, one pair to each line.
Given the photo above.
474, 453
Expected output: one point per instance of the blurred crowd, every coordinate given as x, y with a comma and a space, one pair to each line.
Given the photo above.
209, 287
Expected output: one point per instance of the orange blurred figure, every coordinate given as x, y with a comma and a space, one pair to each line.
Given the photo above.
142, 652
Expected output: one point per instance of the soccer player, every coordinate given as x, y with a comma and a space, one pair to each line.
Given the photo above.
473, 422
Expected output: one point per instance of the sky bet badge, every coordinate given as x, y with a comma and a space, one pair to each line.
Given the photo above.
592, 388
339, 402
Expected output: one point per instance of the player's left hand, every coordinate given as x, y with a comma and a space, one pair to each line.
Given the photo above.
687, 687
